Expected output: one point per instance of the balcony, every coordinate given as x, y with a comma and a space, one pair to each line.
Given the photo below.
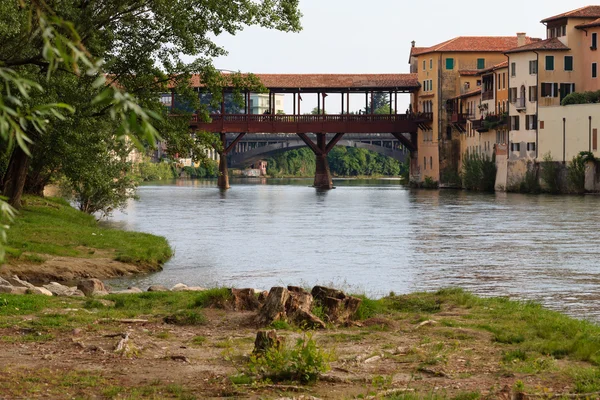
458, 118
489, 95
520, 104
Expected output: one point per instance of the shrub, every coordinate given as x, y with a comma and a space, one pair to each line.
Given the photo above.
576, 174
149, 171
479, 173
429, 183
301, 363
581, 98
550, 174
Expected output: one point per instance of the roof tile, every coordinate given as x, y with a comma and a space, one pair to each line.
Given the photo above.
553, 44
474, 43
583, 12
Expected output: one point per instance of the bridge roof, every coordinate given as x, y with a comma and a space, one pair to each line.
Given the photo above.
333, 82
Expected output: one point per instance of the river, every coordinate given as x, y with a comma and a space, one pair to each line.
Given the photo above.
374, 237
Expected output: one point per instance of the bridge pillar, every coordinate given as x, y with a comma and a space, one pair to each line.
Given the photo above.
223, 180
322, 173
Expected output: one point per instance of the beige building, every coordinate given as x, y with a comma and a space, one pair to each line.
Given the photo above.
447, 71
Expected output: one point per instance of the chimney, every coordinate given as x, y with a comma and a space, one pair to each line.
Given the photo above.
521, 39
413, 43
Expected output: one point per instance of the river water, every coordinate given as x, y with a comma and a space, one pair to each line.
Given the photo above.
374, 237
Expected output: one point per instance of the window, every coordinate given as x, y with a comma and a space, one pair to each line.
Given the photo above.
514, 123
480, 63
513, 69
499, 81
515, 147
549, 63
431, 162
166, 99
595, 139
531, 146
568, 63
478, 82
504, 80
512, 94
431, 84
533, 67
425, 163
549, 89
594, 45
532, 93
449, 63
566, 89
424, 65
431, 63
531, 122
594, 70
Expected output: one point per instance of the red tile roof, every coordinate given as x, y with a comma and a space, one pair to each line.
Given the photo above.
553, 44
470, 93
333, 81
474, 43
583, 12
469, 72
496, 67
592, 24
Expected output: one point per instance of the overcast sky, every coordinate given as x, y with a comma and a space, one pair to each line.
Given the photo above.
373, 36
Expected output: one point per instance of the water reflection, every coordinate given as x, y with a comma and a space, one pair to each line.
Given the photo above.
375, 237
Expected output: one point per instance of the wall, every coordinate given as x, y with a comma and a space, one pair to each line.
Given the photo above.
577, 130
588, 56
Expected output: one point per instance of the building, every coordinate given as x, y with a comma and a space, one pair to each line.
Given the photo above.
259, 103
542, 74
447, 72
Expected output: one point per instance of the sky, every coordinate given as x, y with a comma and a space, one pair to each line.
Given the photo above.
374, 36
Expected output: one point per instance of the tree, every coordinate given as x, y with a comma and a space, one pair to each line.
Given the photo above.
142, 44
377, 103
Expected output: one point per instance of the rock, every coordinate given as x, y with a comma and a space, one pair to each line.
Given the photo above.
39, 291
4, 282
61, 290
245, 300
15, 281
266, 340
92, 287
158, 288
130, 290
179, 287
373, 359
76, 331
426, 323
274, 307
12, 289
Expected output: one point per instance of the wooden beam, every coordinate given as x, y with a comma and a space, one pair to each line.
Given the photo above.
333, 142
232, 145
310, 144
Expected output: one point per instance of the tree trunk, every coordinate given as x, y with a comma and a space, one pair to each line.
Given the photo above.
14, 178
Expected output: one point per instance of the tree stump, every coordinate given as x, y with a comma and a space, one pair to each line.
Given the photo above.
244, 300
274, 307
338, 307
298, 309
266, 340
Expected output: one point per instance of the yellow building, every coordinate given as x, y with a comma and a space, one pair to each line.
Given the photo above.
447, 71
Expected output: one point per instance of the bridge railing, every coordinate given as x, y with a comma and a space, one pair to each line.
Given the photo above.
283, 118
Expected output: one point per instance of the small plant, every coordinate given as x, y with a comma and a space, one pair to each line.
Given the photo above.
219, 298
479, 172
280, 325
301, 363
429, 183
199, 340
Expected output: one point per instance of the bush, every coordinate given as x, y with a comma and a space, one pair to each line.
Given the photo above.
581, 98
149, 171
550, 174
479, 173
576, 174
301, 363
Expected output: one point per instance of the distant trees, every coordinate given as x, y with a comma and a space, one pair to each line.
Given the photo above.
343, 161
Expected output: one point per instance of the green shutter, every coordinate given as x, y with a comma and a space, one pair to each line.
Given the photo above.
549, 63
480, 63
449, 63
568, 63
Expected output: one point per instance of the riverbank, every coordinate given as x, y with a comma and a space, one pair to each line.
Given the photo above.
194, 345
52, 241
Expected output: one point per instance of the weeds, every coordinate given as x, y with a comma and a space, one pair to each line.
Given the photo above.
550, 174
219, 297
301, 363
479, 172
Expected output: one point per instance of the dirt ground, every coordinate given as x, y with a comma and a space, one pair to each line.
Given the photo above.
379, 358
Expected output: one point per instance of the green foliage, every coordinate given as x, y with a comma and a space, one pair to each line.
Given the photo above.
186, 318
343, 161
414, 304
429, 183
551, 174
208, 169
576, 173
369, 308
301, 363
479, 172
450, 176
148, 171
529, 183
581, 98
52, 226
587, 380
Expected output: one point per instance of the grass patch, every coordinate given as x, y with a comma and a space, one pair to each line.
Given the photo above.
219, 298
587, 380
198, 340
186, 317
47, 226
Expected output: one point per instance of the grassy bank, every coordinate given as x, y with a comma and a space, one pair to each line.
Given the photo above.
47, 229
443, 345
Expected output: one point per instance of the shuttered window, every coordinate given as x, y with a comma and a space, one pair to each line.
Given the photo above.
480, 63
449, 63
549, 63
568, 63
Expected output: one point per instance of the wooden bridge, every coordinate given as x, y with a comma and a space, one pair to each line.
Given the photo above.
402, 126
